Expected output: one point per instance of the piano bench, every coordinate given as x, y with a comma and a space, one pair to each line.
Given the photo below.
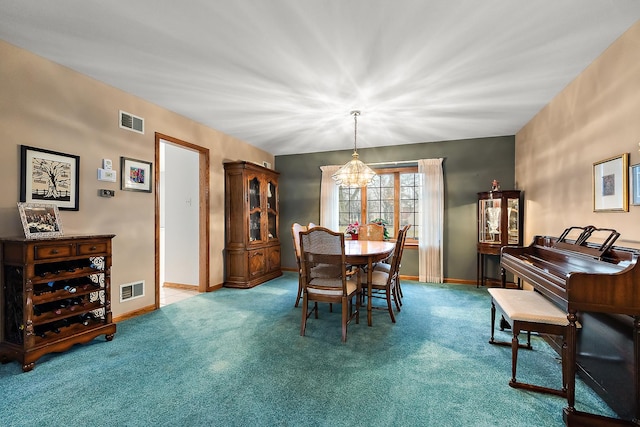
531, 312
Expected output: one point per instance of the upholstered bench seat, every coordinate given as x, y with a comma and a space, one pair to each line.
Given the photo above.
527, 306
531, 312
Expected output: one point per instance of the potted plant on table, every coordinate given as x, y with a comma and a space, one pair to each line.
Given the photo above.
352, 230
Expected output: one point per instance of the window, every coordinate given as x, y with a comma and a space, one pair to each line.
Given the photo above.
391, 196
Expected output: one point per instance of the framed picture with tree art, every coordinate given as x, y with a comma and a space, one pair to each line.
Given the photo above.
49, 177
610, 184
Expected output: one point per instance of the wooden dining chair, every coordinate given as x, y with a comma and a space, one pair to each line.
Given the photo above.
295, 234
384, 283
386, 266
323, 248
371, 231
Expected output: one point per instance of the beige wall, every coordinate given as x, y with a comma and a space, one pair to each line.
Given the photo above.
596, 117
45, 105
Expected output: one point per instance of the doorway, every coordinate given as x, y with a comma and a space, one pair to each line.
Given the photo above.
181, 218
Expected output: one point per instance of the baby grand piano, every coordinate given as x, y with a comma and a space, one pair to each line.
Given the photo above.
599, 285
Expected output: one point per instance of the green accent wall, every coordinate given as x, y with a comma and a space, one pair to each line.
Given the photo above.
469, 167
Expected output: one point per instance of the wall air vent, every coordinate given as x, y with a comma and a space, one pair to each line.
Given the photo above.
131, 122
130, 291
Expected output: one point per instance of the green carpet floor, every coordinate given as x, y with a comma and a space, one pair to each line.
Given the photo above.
236, 358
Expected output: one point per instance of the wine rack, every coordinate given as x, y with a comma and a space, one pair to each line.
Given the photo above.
55, 293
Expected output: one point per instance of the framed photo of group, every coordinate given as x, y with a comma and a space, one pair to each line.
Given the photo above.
40, 220
610, 184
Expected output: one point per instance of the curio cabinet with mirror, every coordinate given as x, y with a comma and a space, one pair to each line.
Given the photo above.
252, 244
499, 224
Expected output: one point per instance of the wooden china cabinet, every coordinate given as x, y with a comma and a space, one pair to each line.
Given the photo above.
499, 224
252, 244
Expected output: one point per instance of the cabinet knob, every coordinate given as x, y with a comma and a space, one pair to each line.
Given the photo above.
92, 248
54, 251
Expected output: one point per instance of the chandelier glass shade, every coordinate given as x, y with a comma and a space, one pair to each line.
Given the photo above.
355, 173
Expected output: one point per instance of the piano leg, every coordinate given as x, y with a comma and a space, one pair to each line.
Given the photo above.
636, 354
514, 354
493, 321
571, 362
570, 415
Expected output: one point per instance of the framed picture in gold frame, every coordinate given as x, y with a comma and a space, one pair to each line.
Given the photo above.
611, 184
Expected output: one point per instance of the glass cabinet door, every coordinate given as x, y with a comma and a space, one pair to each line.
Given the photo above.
272, 210
513, 218
255, 228
489, 226
499, 219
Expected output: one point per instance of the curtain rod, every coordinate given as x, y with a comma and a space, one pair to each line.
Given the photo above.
403, 162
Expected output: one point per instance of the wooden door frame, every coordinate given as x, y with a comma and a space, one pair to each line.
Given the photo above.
203, 212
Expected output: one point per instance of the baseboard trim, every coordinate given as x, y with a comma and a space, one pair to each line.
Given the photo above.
214, 287
134, 313
179, 286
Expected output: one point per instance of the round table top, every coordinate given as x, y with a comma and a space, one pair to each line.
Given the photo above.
368, 247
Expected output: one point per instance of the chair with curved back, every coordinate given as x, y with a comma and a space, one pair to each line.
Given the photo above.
383, 283
321, 247
386, 267
371, 231
295, 234
319, 270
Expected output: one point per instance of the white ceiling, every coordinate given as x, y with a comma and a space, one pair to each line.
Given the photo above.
284, 75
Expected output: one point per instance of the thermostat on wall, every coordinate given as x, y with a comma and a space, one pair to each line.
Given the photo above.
106, 175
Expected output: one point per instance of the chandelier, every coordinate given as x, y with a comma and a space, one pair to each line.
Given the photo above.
355, 173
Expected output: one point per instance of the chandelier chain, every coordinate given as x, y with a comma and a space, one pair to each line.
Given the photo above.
355, 115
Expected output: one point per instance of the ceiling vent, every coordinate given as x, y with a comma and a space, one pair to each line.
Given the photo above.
130, 291
131, 122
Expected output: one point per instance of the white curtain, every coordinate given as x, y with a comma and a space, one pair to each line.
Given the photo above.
431, 220
329, 198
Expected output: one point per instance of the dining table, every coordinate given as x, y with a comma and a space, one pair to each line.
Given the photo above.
363, 253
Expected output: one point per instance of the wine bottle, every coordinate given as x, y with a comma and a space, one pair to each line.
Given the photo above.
70, 266
73, 303
40, 331
43, 270
55, 286
47, 307
86, 318
55, 326
83, 263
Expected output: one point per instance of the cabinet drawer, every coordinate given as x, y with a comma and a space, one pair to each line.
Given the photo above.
92, 248
52, 251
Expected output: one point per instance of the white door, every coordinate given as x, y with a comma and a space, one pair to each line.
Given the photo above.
179, 215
